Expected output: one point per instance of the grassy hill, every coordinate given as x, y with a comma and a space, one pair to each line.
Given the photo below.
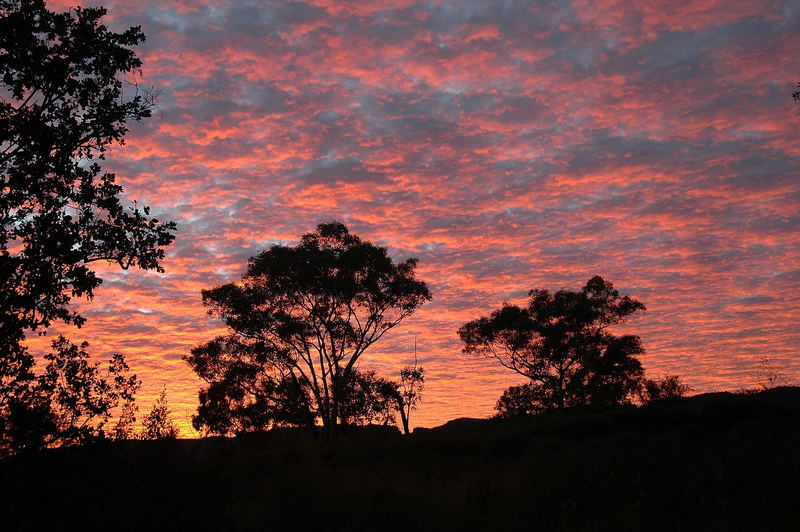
710, 462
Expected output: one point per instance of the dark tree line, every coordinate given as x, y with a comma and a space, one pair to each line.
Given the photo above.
302, 316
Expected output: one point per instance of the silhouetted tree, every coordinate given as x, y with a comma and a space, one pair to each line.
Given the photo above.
412, 382
768, 375
796, 94
245, 401
69, 403
125, 427
63, 102
300, 319
245, 397
561, 342
667, 387
157, 423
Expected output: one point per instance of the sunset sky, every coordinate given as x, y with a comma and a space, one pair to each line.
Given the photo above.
507, 145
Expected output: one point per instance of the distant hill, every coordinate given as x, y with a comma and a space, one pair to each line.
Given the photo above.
455, 425
710, 462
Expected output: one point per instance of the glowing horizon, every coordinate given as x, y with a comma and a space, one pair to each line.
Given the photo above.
507, 146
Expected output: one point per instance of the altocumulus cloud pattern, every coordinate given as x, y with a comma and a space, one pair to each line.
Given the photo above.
508, 145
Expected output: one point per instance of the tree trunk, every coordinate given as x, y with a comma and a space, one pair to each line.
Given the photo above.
560, 395
403, 415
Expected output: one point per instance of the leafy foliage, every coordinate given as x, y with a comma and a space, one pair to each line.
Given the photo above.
124, 428
561, 342
69, 403
299, 321
369, 399
244, 396
522, 400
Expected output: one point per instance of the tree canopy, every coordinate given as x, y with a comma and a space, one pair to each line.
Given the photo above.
561, 342
63, 102
66, 96
299, 321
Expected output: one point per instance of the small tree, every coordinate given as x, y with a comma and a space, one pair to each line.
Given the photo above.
299, 321
767, 374
243, 399
561, 342
668, 387
412, 382
157, 423
124, 429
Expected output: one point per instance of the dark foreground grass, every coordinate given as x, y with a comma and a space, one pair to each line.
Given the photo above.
711, 462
